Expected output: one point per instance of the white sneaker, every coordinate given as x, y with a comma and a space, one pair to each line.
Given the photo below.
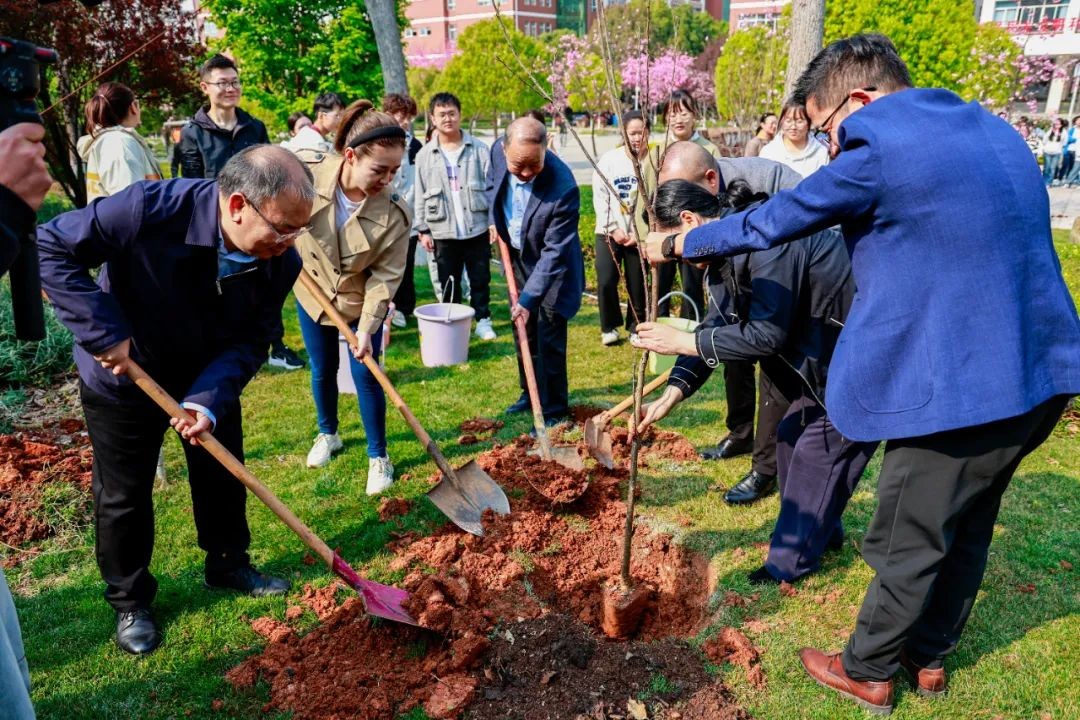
609, 338
380, 475
324, 448
484, 331
399, 320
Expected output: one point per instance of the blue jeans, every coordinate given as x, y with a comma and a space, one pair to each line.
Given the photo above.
322, 346
1051, 163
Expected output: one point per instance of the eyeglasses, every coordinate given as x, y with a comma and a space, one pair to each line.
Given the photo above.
282, 238
821, 132
226, 84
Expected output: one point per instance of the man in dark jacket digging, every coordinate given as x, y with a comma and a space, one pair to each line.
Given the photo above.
195, 275
784, 307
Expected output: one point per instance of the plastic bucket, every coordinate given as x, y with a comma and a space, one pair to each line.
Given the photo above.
444, 333
662, 363
345, 384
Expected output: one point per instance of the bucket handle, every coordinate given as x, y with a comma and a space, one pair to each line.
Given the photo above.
450, 305
697, 314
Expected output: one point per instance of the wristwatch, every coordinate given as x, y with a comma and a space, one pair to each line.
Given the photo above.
667, 247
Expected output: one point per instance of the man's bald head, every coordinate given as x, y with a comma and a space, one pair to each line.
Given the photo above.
525, 146
686, 160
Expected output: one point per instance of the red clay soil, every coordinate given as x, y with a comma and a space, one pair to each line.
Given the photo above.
655, 445
30, 460
480, 426
392, 507
732, 646
532, 566
581, 413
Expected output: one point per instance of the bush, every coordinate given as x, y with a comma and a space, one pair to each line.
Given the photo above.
55, 203
23, 363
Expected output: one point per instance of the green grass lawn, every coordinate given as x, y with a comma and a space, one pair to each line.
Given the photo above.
1020, 656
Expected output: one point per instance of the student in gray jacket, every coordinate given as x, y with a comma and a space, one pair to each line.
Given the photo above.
451, 210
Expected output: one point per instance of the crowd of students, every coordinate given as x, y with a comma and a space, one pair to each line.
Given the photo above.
794, 259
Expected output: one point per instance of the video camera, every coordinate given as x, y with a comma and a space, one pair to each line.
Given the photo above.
20, 81
20, 77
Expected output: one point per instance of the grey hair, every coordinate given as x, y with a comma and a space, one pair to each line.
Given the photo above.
526, 130
263, 172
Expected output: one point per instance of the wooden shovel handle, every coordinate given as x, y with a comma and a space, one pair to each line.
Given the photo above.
609, 415
526, 356
388, 387
232, 464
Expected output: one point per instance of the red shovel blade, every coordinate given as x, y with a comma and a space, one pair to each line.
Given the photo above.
380, 600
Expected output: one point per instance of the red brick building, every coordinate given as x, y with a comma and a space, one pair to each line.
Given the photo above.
435, 25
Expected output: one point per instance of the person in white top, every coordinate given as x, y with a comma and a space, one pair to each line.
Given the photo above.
116, 156
310, 141
615, 244
793, 146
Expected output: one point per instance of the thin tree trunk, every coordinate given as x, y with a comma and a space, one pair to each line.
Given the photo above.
807, 35
383, 14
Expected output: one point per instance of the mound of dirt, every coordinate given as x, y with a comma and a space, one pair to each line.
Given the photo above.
732, 646
480, 426
393, 507
536, 573
655, 445
31, 461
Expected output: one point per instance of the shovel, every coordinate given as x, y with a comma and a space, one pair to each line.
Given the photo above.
598, 440
463, 494
379, 600
566, 456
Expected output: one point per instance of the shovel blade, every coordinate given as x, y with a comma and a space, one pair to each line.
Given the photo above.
566, 456
465, 498
598, 441
384, 601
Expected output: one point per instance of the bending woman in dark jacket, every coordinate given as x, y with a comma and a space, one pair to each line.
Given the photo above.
784, 307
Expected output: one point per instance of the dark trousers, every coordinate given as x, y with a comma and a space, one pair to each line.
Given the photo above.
938, 499
693, 285
820, 468
126, 437
610, 257
546, 331
323, 351
744, 394
405, 297
474, 255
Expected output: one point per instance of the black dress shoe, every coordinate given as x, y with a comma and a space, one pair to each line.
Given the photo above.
522, 405
751, 488
727, 449
248, 580
761, 576
836, 542
136, 631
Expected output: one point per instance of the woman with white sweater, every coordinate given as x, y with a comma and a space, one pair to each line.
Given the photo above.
615, 244
793, 145
115, 155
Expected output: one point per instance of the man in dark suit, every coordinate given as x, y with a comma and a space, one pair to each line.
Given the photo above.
963, 382
534, 204
195, 275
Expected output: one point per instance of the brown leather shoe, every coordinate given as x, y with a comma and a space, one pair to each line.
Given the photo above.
928, 682
828, 671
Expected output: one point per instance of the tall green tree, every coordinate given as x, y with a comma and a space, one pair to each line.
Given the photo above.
479, 73
750, 74
993, 78
290, 52
934, 37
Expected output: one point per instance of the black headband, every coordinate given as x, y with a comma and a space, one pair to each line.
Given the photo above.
386, 131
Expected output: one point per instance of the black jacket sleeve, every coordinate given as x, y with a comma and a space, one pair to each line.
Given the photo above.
16, 222
191, 159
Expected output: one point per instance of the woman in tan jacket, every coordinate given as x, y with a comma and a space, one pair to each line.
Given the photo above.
355, 251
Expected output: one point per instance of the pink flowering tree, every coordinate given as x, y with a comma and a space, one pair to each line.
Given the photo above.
654, 79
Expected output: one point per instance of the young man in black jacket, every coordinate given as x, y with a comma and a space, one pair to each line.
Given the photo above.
215, 134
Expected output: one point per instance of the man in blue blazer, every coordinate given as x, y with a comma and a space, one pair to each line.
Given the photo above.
960, 351
534, 204
195, 274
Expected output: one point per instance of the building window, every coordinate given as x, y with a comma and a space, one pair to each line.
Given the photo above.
424, 32
765, 19
409, 32
1032, 16
451, 4
453, 33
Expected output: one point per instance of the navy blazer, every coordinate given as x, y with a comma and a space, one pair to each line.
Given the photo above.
194, 334
550, 246
961, 316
